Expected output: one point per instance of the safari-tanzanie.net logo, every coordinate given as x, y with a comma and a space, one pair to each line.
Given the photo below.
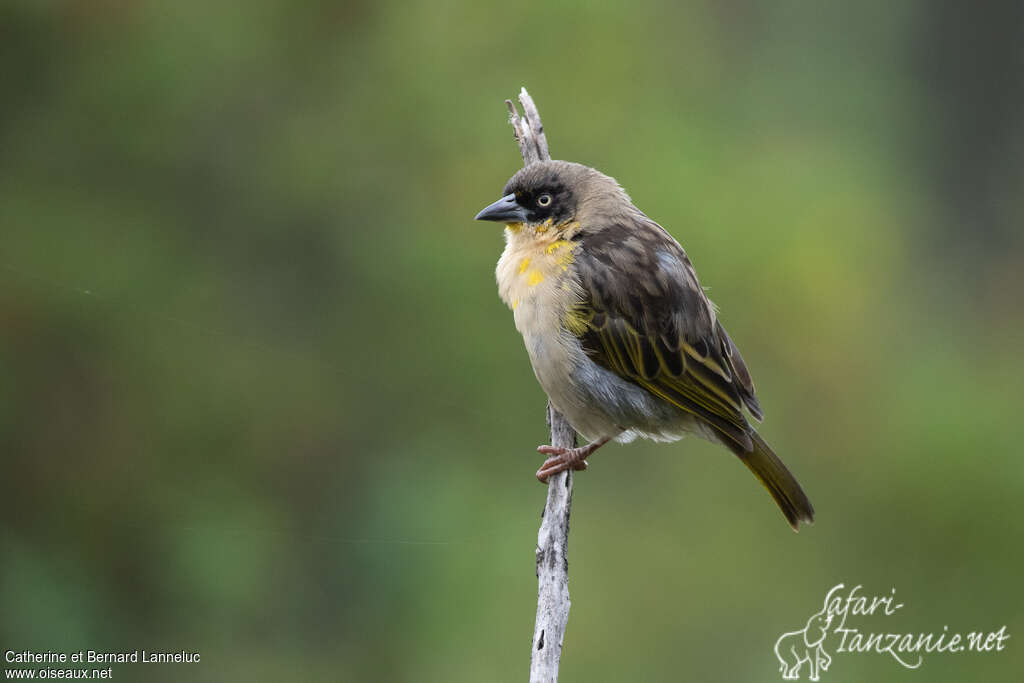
833, 631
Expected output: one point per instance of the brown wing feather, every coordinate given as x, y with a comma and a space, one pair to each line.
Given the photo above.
645, 317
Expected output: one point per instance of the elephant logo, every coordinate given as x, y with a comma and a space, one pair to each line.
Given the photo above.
806, 646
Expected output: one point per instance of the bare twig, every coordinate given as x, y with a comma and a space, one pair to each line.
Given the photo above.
553, 563
529, 130
553, 537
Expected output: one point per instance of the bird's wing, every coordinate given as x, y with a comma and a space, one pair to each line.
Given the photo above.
644, 316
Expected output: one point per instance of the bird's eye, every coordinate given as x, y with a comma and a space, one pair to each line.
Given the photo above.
544, 200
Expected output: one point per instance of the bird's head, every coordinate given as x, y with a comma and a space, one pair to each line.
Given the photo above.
552, 194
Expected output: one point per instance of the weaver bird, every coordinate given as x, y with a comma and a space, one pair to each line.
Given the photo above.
621, 336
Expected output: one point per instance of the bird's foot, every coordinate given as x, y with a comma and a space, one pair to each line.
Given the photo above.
561, 460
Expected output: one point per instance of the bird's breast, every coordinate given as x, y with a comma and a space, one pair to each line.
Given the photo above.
537, 279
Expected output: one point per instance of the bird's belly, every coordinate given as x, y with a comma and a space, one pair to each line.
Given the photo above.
554, 362
597, 402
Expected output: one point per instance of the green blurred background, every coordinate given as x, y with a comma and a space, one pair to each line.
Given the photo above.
260, 398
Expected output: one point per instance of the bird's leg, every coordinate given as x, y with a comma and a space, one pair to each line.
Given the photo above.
564, 458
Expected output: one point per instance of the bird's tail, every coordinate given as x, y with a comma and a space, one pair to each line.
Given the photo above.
779, 481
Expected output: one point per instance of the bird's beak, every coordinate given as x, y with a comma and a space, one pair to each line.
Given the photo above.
505, 210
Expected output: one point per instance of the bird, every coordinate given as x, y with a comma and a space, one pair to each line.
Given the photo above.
620, 333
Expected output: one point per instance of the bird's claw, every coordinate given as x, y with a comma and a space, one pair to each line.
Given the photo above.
561, 459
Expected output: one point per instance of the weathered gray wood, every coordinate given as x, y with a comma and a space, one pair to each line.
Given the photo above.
529, 130
553, 537
553, 564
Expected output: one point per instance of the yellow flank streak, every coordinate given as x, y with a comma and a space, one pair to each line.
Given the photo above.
575, 322
524, 264
535, 278
515, 304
